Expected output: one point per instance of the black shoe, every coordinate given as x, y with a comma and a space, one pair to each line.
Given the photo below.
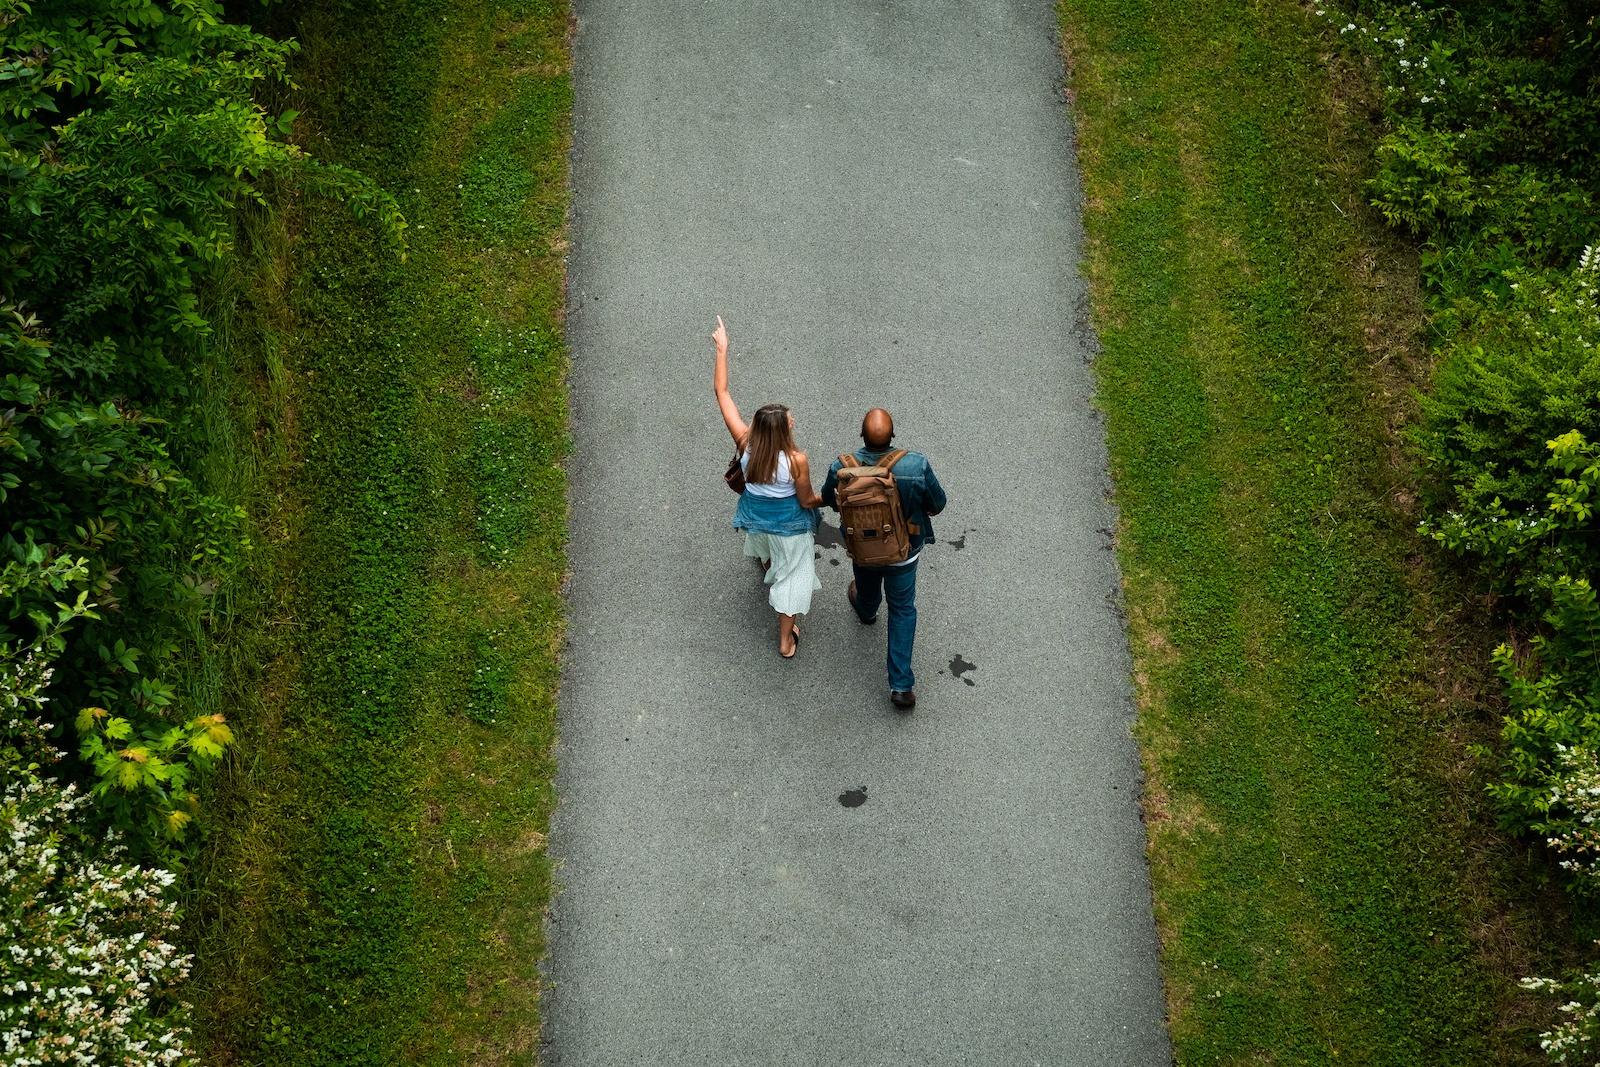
903, 699
851, 593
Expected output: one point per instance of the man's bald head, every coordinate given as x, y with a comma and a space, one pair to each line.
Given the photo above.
877, 429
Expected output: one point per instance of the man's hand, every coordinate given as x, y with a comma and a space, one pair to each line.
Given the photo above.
719, 337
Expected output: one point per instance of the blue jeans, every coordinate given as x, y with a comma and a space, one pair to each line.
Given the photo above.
899, 586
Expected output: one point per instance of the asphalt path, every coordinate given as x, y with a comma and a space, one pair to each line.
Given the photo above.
761, 862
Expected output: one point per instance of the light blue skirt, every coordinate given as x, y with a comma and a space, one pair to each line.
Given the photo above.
792, 577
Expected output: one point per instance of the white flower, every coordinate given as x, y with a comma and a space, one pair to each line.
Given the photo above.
89, 937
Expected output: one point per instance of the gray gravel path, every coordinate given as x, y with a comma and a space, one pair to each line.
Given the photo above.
880, 199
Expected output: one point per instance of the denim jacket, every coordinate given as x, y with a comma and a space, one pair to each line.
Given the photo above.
781, 516
921, 495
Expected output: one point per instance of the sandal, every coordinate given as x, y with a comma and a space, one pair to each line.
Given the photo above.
796, 648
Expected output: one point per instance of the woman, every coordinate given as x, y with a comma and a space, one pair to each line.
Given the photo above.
777, 510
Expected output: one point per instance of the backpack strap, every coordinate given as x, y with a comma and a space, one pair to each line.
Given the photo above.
847, 460
888, 462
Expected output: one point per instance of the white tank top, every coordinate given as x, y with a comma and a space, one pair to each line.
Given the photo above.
782, 483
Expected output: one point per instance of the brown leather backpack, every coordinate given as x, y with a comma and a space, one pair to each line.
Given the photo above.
875, 530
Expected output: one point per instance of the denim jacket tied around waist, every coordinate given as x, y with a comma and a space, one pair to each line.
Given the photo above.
781, 516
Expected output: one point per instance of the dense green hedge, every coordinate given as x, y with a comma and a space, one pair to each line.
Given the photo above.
1492, 159
132, 138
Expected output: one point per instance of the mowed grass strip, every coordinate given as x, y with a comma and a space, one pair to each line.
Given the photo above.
1327, 888
377, 881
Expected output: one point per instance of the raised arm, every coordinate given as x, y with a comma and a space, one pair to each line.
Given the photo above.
800, 471
730, 410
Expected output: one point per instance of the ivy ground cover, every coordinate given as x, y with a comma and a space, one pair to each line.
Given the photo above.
375, 889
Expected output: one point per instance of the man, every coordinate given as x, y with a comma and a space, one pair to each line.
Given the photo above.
921, 497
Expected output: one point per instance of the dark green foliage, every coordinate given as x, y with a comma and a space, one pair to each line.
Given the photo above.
94, 481
1493, 159
1495, 109
1555, 700
132, 138
1528, 373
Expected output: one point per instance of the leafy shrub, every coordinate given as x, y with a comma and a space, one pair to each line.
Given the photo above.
90, 972
1554, 701
1490, 157
53, 596
1502, 400
1515, 492
132, 138
124, 210
95, 484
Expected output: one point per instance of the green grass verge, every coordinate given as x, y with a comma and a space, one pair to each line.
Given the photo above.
374, 885
1327, 887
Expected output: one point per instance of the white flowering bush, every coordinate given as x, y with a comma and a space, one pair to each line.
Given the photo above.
1571, 826
88, 970
1576, 1039
1571, 823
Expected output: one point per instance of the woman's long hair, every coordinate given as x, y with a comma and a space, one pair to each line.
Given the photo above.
769, 435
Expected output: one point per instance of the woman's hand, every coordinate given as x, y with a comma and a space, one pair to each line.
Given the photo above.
719, 382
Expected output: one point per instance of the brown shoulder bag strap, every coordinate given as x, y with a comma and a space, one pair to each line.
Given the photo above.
847, 460
888, 462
